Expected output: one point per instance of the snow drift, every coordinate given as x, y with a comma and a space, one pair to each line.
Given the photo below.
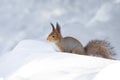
37, 60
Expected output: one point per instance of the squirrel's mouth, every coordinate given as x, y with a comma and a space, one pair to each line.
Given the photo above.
49, 40
53, 41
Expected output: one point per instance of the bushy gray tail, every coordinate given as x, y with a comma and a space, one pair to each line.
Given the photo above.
99, 48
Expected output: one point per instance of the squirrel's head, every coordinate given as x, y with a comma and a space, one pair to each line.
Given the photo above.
55, 35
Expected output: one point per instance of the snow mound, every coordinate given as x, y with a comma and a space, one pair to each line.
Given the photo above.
111, 72
37, 60
27, 45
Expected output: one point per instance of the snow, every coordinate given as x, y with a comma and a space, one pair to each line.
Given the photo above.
37, 60
110, 72
20, 56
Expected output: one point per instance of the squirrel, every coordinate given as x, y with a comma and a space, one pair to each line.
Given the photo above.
100, 48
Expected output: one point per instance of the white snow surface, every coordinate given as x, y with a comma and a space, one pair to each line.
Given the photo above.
110, 72
37, 60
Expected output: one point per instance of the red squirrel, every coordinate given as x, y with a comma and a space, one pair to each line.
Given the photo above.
70, 44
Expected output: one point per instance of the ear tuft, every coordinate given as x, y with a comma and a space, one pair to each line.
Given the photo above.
58, 27
53, 28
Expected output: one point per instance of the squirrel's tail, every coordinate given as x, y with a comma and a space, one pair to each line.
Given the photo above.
99, 48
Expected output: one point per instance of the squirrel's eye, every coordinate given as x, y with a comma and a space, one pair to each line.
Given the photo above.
53, 36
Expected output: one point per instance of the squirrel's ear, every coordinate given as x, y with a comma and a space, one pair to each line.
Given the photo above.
53, 28
58, 27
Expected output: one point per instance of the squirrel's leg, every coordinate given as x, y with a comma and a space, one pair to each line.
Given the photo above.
61, 48
78, 51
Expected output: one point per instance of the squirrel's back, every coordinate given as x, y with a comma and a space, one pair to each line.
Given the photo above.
70, 44
99, 48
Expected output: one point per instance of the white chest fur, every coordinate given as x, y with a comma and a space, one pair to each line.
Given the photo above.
55, 47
